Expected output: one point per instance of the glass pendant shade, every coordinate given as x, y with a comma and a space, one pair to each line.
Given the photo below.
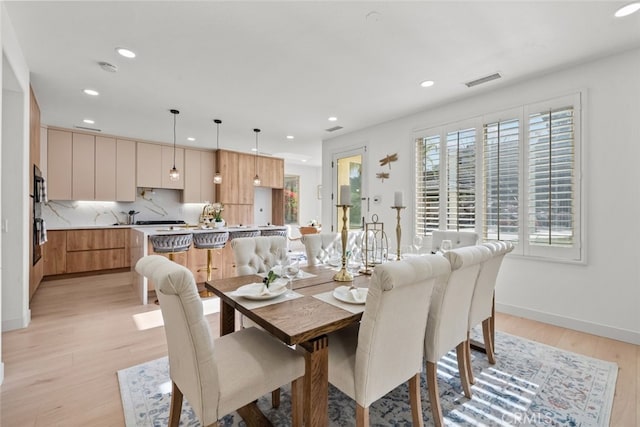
174, 173
256, 179
217, 179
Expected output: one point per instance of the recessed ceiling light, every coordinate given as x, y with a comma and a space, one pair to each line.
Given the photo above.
628, 9
304, 160
191, 138
91, 92
333, 119
254, 149
88, 121
289, 136
427, 83
126, 52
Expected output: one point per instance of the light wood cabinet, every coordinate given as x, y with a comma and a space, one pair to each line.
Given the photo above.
83, 167
237, 170
153, 164
54, 253
105, 168
88, 240
271, 171
59, 157
198, 176
125, 170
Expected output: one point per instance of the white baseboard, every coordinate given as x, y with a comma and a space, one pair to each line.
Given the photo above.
1, 372
625, 335
19, 323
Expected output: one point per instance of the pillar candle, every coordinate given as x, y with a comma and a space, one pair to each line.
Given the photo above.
345, 195
397, 199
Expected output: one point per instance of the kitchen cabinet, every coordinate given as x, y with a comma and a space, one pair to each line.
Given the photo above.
83, 167
271, 172
125, 170
59, 157
75, 251
105, 168
54, 253
237, 170
153, 164
198, 176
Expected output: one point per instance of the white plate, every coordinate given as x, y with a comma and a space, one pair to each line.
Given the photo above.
253, 291
342, 293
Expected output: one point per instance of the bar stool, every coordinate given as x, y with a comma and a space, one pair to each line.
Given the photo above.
170, 244
210, 241
274, 232
234, 234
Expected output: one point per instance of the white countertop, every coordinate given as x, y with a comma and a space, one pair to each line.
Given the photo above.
171, 229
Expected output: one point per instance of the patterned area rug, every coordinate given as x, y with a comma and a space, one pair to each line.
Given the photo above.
531, 384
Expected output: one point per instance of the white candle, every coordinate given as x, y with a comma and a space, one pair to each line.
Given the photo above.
397, 199
345, 195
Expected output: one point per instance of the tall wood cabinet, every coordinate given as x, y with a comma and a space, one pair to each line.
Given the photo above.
59, 157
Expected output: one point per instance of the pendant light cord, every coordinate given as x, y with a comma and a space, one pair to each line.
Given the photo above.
174, 140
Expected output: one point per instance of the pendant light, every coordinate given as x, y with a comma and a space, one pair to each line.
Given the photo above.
217, 179
174, 174
256, 179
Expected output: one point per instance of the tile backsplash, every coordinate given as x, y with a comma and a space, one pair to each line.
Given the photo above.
157, 204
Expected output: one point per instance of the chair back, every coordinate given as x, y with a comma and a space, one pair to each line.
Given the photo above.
191, 363
391, 336
257, 254
318, 246
458, 239
482, 300
450, 302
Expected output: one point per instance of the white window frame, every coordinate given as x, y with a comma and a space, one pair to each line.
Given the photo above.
573, 254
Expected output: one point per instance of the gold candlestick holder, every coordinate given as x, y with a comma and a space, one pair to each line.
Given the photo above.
343, 275
398, 228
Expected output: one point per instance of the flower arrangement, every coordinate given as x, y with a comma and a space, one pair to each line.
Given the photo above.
217, 209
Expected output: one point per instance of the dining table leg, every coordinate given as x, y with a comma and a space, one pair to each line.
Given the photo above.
227, 318
316, 381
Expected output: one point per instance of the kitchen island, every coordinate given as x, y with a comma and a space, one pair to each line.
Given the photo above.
194, 259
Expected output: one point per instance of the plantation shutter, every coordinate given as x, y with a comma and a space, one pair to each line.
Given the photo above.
461, 180
551, 177
427, 184
501, 172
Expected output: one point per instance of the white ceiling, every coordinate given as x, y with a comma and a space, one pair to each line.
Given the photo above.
285, 67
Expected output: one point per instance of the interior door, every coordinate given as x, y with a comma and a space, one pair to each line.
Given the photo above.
349, 167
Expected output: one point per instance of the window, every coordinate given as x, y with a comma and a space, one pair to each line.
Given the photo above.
511, 176
291, 198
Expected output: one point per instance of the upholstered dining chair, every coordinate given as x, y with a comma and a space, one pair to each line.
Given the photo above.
217, 376
386, 349
257, 254
449, 319
318, 246
458, 239
482, 301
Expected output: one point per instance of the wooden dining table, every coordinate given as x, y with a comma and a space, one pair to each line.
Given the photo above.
303, 321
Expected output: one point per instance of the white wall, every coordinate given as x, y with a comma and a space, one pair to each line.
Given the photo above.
310, 178
601, 297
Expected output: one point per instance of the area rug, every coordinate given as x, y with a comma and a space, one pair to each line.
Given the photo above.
531, 384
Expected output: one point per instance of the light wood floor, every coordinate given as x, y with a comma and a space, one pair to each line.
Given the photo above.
61, 370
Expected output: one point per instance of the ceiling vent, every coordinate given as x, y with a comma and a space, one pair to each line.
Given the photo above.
108, 67
482, 80
333, 129
89, 129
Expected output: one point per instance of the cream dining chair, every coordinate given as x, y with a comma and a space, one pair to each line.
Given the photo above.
217, 376
482, 302
257, 254
386, 349
319, 246
458, 239
449, 319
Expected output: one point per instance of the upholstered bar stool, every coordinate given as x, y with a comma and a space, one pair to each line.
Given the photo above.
274, 232
210, 241
234, 234
170, 244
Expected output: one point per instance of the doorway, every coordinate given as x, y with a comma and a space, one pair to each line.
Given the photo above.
349, 167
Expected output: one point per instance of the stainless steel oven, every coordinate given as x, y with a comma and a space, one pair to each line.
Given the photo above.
39, 197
